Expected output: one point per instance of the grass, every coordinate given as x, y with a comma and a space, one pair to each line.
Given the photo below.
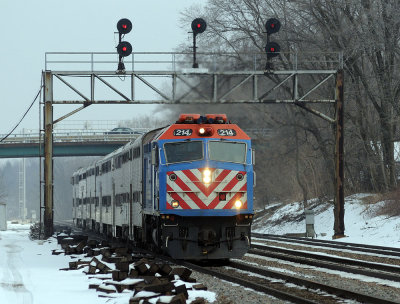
391, 205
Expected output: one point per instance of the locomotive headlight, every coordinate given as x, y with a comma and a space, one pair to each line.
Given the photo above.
202, 130
206, 176
175, 204
238, 204
206, 179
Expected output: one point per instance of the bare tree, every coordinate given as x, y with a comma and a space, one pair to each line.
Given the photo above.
367, 32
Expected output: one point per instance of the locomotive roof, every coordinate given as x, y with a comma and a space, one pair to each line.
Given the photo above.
232, 131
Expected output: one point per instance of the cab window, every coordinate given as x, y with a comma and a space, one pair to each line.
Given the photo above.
183, 151
227, 151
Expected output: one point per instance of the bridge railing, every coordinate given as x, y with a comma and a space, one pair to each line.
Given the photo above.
74, 135
69, 137
179, 61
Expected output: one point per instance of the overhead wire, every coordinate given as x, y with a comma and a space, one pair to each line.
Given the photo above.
23, 116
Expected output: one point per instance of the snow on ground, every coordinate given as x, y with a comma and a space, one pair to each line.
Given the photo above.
360, 224
29, 274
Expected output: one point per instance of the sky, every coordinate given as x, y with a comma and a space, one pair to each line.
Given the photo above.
31, 28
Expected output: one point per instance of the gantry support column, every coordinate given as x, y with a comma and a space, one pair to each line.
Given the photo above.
48, 154
339, 159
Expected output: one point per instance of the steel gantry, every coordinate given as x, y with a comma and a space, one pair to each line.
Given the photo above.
300, 87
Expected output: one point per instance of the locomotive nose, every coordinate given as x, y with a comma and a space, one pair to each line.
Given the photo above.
207, 236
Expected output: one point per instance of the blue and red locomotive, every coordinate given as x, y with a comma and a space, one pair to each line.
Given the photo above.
186, 189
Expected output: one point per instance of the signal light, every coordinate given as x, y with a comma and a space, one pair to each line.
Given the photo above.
272, 49
124, 26
272, 26
124, 48
198, 26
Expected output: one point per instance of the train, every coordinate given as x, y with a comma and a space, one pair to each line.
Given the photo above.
185, 190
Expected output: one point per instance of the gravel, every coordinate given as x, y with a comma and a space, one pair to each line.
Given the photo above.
229, 293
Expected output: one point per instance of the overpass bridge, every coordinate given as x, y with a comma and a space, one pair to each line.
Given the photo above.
22, 146
74, 142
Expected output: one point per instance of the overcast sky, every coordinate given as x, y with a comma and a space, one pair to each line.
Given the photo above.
31, 28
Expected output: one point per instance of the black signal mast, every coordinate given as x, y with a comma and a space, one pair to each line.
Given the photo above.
198, 27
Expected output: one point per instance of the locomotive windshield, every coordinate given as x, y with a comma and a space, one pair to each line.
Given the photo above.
227, 151
183, 151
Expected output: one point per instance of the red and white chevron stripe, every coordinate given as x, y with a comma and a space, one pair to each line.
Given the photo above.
192, 193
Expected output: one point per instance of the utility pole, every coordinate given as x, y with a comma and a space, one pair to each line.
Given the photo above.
339, 159
48, 154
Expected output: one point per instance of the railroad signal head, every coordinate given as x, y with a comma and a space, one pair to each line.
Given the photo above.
124, 48
124, 26
272, 26
198, 26
272, 49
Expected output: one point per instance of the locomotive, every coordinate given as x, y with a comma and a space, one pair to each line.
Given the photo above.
185, 190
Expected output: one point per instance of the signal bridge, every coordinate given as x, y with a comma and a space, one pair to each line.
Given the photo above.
97, 78
259, 79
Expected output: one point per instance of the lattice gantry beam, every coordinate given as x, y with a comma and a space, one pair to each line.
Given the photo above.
311, 86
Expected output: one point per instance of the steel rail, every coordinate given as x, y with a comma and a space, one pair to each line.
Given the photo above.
257, 287
343, 293
338, 264
332, 244
376, 266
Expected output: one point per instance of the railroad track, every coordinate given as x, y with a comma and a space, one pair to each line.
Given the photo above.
382, 250
276, 255
302, 290
290, 287
382, 271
